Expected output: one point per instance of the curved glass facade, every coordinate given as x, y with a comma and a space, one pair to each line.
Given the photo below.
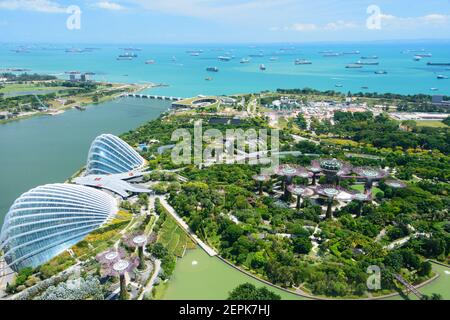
49, 219
110, 155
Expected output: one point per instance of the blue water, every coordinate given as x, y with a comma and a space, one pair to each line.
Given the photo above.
186, 76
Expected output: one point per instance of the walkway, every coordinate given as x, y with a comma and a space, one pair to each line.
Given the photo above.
150, 284
185, 226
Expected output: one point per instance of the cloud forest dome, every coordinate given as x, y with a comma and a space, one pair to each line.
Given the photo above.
49, 219
109, 154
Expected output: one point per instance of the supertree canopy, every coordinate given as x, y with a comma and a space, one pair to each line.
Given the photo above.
110, 256
119, 269
361, 198
370, 175
396, 184
333, 168
300, 192
331, 192
288, 172
315, 171
137, 240
260, 179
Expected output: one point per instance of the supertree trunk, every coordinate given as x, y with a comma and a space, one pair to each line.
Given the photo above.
314, 177
260, 188
368, 186
298, 202
141, 258
123, 288
329, 214
360, 207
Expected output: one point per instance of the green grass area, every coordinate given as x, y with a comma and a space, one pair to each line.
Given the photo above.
174, 238
17, 88
360, 187
432, 124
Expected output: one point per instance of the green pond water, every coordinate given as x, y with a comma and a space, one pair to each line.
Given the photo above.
198, 276
48, 149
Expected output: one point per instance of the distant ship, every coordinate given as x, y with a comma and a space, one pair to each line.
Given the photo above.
353, 66
131, 49
273, 59
245, 60
212, 69
417, 58
74, 50
302, 61
434, 89
262, 67
128, 55
208, 79
224, 58
424, 55
438, 64
352, 52
365, 87
150, 62
338, 85
124, 58
369, 57
381, 72
374, 63
331, 54
258, 55
194, 51
441, 76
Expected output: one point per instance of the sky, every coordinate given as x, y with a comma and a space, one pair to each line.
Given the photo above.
222, 21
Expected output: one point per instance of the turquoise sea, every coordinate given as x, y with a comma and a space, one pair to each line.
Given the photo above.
185, 74
49, 149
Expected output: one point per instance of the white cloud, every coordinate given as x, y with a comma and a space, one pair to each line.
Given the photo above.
32, 5
340, 25
435, 19
214, 9
331, 26
106, 5
303, 27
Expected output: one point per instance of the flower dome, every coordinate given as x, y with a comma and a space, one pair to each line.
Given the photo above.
111, 155
49, 219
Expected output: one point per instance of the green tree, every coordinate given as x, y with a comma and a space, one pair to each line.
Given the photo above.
248, 291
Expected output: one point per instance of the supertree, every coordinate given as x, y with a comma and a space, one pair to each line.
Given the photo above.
331, 192
370, 175
333, 169
289, 172
361, 198
300, 191
137, 240
315, 171
119, 269
396, 184
260, 179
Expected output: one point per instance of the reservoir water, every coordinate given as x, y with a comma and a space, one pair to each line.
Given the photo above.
48, 149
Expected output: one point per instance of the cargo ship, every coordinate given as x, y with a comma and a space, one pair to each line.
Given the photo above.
302, 61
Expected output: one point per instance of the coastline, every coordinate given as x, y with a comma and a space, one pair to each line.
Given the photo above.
135, 88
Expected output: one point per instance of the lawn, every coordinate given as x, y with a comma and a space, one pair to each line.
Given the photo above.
432, 124
173, 237
360, 187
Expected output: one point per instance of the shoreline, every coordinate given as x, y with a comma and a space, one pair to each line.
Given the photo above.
55, 112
